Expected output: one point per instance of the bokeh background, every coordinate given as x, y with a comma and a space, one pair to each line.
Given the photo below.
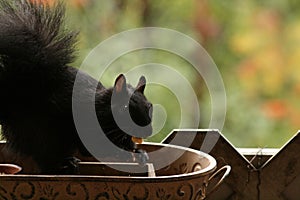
254, 43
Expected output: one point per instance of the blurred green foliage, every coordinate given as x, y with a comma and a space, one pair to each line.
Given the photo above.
255, 45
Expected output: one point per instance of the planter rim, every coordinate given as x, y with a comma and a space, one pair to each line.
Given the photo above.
177, 177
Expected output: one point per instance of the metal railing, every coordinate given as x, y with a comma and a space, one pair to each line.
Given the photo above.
258, 174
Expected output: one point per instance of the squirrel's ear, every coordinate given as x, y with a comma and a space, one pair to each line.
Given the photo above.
141, 84
120, 84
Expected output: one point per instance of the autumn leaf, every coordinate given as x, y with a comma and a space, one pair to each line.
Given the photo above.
275, 109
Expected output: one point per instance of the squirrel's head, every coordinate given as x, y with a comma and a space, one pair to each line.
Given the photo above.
131, 110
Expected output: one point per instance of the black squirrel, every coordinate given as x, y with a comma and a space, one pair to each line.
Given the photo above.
36, 85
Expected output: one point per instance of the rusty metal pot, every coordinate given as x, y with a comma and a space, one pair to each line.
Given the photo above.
186, 177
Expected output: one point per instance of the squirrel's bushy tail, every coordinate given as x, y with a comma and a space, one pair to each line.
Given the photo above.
32, 38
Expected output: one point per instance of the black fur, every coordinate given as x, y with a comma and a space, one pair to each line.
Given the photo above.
36, 87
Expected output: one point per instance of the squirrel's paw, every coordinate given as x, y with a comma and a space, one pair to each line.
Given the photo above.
140, 156
70, 166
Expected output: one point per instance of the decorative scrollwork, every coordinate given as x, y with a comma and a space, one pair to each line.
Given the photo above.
196, 167
78, 190
185, 191
182, 169
83, 193
3, 193
116, 193
102, 196
23, 190
200, 194
143, 191
47, 192
192, 192
161, 194
131, 193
